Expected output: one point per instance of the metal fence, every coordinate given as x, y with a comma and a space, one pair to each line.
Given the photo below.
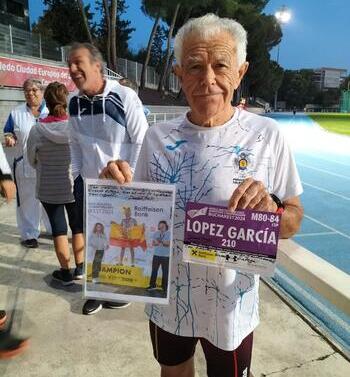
24, 43
132, 70
20, 42
154, 118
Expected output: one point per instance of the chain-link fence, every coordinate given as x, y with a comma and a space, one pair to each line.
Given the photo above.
345, 102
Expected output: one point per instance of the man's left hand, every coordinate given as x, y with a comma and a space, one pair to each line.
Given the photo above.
118, 170
251, 194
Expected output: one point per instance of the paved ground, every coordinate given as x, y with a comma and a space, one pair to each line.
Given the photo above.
115, 342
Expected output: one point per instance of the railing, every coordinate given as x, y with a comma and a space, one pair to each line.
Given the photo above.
162, 117
20, 42
132, 70
24, 43
111, 74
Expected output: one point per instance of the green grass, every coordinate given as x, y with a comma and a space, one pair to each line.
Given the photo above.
334, 122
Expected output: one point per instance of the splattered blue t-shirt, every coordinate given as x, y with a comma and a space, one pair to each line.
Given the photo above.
206, 165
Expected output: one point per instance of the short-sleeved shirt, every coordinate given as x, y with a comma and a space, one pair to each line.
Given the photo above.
161, 250
206, 164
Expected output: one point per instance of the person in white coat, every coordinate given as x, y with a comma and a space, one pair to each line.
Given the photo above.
16, 131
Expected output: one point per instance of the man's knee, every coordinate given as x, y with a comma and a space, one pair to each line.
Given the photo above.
185, 369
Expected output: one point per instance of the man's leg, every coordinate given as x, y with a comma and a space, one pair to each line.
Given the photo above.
174, 353
154, 274
121, 257
132, 252
228, 363
165, 272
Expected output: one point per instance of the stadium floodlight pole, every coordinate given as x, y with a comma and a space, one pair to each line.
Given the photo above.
283, 16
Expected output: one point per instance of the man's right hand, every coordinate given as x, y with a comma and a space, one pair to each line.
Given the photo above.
8, 189
10, 141
118, 170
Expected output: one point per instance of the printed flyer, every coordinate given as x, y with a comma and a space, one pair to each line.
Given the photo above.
244, 240
128, 235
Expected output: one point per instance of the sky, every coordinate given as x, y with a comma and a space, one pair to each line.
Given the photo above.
318, 34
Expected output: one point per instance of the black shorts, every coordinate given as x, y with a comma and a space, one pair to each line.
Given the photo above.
57, 218
172, 350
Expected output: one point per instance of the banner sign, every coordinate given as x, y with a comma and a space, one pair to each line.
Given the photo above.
244, 240
128, 240
13, 72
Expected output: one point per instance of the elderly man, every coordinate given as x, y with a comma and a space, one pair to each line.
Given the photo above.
221, 155
16, 132
107, 123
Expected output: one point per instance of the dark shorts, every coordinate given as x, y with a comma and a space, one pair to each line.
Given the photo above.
172, 350
57, 218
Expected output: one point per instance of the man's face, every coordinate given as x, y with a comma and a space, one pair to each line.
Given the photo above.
33, 95
210, 74
84, 72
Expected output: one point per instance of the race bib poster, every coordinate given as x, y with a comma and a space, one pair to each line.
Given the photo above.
128, 234
244, 240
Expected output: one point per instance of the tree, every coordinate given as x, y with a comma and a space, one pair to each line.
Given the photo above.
263, 33
345, 84
85, 20
298, 88
157, 51
153, 9
168, 49
58, 11
105, 29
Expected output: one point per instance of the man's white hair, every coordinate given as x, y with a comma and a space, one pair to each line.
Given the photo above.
207, 26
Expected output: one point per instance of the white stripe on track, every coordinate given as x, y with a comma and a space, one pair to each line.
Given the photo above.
327, 191
327, 226
314, 234
315, 156
323, 171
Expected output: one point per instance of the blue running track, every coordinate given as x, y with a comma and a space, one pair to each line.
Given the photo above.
323, 161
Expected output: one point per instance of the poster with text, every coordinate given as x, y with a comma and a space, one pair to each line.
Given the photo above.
128, 235
244, 240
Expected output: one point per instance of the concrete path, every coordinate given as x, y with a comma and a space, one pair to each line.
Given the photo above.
65, 343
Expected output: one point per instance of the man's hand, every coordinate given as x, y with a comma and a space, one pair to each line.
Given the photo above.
251, 194
8, 189
118, 170
10, 141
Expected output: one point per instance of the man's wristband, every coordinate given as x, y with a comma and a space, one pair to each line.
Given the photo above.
280, 205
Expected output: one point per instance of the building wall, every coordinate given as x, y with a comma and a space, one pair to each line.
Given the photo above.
15, 13
328, 78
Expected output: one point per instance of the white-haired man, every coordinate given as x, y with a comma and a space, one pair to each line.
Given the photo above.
221, 155
16, 131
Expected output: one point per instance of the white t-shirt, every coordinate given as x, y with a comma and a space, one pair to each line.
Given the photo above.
206, 165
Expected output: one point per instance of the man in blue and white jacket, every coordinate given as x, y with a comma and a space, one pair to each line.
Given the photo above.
107, 124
